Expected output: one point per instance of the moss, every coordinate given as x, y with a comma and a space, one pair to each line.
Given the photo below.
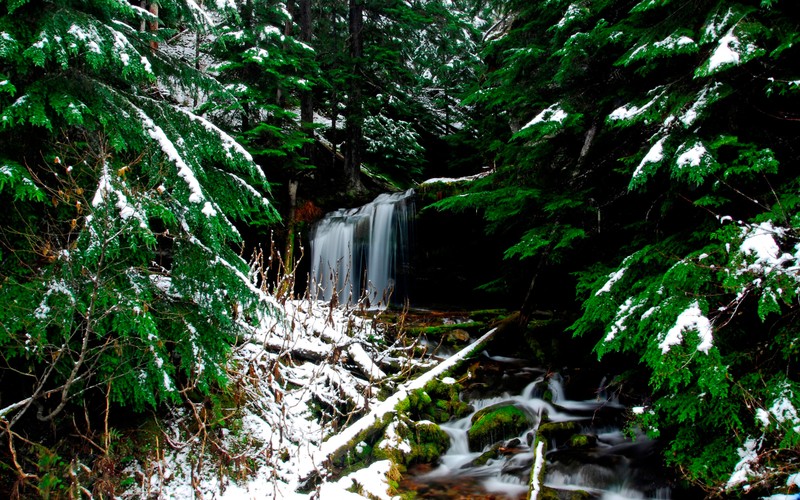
581, 441
501, 422
488, 315
443, 330
491, 453
401, 444
559, 431
428, 432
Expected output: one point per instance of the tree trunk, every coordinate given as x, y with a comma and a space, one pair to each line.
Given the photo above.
154, 24
306, 97
354, 118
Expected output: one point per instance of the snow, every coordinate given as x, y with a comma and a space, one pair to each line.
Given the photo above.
453, 180
630, 111
285, 441
700, 103
168, 147
717, 24
692, 157
624, 312
745, 468
104, 193
551, 114
572, 13
672, 42
230, 145
369, 481
537, 468
612, 278
783, 410
654, 155
57, 286
691, 319
726, 53
759, 241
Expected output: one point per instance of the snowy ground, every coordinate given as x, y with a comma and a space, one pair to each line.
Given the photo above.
311, 382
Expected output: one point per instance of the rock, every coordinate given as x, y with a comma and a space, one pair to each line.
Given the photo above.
496, 423
491, 453
559, 431
458, 336
582, 441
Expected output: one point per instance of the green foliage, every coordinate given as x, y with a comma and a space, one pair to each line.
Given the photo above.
661, 181
117, 268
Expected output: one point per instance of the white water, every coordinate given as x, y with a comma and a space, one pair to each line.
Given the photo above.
607, 470
355, 253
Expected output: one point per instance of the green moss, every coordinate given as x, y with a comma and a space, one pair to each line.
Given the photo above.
426, 441
491, 453
443, 330
488, 315
581, 441
560, 431
498, 423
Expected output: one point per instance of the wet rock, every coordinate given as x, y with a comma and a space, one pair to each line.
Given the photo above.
498, 422
458, 336
582, 441
489, 454
559, 431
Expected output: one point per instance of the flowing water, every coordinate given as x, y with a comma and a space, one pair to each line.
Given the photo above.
608, 465
358, 253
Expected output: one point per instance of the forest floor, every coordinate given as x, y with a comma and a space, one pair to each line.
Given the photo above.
308, 393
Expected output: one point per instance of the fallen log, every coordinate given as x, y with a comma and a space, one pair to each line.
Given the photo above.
378, 418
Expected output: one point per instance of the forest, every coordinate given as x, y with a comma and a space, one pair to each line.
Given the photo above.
623, 166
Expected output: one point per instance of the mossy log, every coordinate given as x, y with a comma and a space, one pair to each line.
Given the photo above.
337, 447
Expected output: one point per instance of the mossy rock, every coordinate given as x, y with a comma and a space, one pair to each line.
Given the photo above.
406, 443
559, 431
429, 442
457, 336
496, 423
581, 441
489, 454
444, 330
428, 432
416, 406
446, 401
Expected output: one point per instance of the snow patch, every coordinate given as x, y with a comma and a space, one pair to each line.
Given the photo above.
552, 114
692, 157
168, 147
654, 155
726, 53
745, 468
630, 111
612, 278
692, 319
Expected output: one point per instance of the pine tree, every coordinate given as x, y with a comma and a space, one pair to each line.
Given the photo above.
118, 266
645, 146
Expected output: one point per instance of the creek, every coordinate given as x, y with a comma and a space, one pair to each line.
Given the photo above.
587, 450
360, 255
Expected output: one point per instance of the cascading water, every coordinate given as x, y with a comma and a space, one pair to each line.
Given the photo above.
608, 465
356, 253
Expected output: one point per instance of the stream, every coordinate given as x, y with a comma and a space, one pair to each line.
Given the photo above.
361, 255
589, 453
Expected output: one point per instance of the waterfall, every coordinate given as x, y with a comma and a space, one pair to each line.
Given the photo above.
357, 252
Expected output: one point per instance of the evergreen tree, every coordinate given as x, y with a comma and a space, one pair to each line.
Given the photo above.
118, 272
660, 131
270, 72
418, 59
